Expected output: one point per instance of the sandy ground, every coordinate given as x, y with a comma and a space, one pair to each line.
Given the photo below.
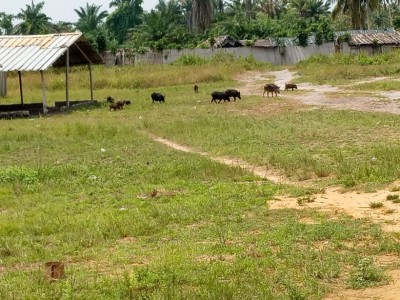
321, 95
333, 200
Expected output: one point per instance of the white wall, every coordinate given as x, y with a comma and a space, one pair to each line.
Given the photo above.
288, 55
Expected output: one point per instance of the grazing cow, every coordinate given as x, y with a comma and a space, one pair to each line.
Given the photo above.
271, 88
127, 102
157, 97
110, 99
290, 86
196, 88
233, 93
219, 96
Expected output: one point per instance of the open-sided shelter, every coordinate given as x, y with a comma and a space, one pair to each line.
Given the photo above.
40, 52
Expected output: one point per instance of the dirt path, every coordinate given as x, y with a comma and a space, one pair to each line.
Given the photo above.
260, 171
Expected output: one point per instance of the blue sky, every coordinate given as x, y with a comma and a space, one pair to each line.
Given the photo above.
62, 10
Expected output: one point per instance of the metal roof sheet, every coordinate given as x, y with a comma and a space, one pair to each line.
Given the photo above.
372, 37
39, 52
266, 43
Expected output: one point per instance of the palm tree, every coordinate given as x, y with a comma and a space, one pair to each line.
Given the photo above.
6, 23
235, 7
273, 8
310, 9
269, 7
33, 20
201, 14
61, 26
128, 14
187, 10
218, 6
162, 25
250, 8
358, 10
90, 18
171, 11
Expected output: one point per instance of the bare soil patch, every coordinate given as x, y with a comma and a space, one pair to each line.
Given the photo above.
390, 291
211, 258
352, 203
321, 95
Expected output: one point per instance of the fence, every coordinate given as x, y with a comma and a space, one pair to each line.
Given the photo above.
275, 55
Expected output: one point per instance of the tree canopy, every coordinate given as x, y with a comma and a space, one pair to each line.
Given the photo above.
187, 23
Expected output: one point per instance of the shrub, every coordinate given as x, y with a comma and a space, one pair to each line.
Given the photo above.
376, 205
392, 197
190, 60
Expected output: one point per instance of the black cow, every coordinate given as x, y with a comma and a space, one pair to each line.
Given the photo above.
157, 97
219, 96
233, 93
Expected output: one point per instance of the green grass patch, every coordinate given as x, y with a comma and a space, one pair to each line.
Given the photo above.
134, 219
339, 69
365, 274
380, 85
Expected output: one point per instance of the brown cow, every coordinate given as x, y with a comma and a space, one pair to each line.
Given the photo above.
196, 88
271, 88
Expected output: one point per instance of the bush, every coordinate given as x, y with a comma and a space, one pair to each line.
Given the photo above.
190, 60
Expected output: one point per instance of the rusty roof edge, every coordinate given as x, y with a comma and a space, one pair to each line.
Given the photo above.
40, 52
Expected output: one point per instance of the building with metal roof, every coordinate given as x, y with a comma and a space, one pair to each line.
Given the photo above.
369, 41
40, 52
375, 38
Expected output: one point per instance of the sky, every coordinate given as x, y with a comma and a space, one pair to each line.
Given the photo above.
63, 10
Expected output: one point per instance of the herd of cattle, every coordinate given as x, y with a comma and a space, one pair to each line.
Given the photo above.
225, 95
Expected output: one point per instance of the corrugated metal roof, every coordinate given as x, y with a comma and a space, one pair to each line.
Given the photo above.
381, 38
266, 43
39, 52
226, 41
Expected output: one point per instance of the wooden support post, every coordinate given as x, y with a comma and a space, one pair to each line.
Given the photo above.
20, 88
90, 70
91, 81
67, 78
3, 83
43, 92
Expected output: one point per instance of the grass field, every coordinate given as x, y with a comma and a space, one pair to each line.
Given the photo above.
133, 219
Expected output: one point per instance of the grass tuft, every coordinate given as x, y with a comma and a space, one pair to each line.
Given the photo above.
376, 204
366, 274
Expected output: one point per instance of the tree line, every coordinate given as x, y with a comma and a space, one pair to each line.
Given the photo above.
177, 24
